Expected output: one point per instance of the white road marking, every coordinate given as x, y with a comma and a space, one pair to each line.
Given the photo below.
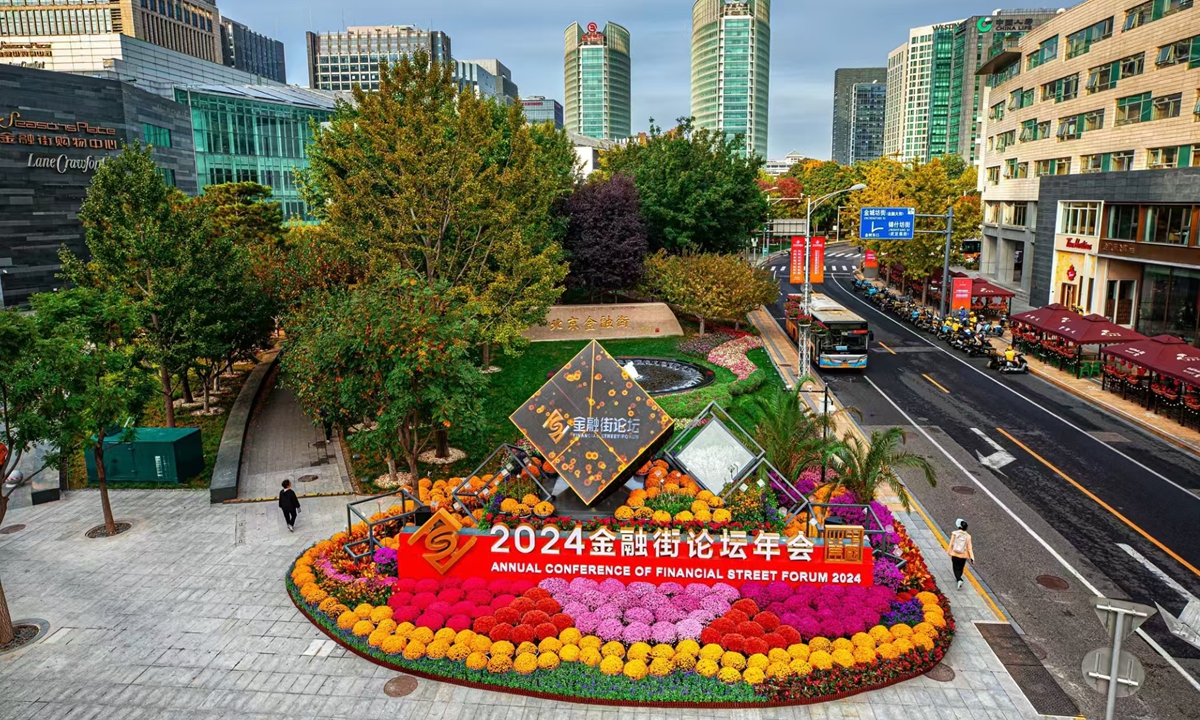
1158, 573
1032, 533
996, 460
1034, 403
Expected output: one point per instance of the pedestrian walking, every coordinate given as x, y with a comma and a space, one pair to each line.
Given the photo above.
960, 550
290, 504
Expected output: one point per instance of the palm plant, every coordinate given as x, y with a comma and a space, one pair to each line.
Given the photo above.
793, 437
867, 465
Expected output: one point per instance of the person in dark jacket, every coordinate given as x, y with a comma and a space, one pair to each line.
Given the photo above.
289, 503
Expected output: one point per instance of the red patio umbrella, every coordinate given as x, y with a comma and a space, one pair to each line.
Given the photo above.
984, 289
1094, 330
1039, 318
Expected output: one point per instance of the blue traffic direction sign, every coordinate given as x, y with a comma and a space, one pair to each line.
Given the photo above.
887, 223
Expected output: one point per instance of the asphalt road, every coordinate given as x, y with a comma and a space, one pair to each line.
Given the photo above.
1029, 519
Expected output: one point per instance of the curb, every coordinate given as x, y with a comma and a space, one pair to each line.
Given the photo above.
1131, 419
228, 467
242, 501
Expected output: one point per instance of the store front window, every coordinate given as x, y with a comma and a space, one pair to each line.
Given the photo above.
1169, 302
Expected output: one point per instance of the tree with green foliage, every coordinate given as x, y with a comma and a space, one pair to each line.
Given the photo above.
931, 188
698, 193
147, 242
864, 466
245, 214
793, 436
102, 381
455, 188
393, 356
821, 177
316, 261
708, 286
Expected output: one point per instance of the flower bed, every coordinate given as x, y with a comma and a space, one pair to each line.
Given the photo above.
732, 355
638, 643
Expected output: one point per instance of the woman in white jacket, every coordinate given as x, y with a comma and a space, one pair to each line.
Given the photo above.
960, 550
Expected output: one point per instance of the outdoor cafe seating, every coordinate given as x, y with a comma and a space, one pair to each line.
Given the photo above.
1161, 373
1067, 340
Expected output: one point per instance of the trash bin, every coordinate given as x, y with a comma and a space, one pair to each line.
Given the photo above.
153, 455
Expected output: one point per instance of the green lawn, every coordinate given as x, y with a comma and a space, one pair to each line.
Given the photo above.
522, 375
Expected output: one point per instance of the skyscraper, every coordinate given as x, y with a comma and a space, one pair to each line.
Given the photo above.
341, 60
244, 49
844, 81
731, 68
909, 92
597, 70
540, 109
506, 89
867, 104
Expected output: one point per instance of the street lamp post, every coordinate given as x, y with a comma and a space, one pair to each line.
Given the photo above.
802, 336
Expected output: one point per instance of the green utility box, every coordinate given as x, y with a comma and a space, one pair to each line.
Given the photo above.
155, 455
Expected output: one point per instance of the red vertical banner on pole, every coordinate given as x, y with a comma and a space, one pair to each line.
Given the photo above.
796, 264
870, 259
961, 299
817, 264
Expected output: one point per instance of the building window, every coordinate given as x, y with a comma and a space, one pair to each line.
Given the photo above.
1168, 224
1093, 120
1069, 129
1066, 88
1134, 109
996, 112
1079, 218
1046, 52
1132, 66
168, 176
1091, 163
1022, 170
991, 212
1176, 53
1167, 106
1121, 161
1168, 302
159, 137
1122, 222
1102, 77
1019, 98
1005, 139
993, 175
1017, 214
1138, 15
1163, 157
1080, 42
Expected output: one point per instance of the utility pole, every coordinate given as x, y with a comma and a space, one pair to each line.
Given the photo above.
946, 261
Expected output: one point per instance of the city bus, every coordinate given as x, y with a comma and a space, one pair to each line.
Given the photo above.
838, 338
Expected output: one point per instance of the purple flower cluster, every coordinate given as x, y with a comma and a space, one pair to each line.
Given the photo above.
828, 611
385, 559
888, 575
641, 611
909, 613
701, 345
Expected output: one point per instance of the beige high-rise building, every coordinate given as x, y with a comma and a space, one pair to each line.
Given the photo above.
1091, 164
191, 27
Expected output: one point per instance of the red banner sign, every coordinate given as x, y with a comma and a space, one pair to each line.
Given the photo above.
816, 262
438, 549
961, 297
870, 259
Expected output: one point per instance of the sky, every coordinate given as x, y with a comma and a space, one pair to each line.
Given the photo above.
809, 40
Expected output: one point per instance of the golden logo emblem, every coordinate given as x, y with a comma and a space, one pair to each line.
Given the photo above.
442, 541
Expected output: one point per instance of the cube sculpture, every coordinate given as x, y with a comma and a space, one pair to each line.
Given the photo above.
593, 422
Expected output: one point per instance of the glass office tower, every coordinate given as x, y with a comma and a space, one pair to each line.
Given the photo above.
731, 68
597, 69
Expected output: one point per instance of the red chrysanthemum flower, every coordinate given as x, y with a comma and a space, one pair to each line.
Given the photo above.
736, 616
768, 620
756, 646
522, 633
522, 605
536, 593
747, 606
750, 629
548, 605
545, 630
723, 626
502, 631
776, 640
733, 642
535, 618
562, 621
484, 625
710, 635
508, 615
789, 634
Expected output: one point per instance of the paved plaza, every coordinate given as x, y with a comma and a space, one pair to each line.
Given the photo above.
186, 616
